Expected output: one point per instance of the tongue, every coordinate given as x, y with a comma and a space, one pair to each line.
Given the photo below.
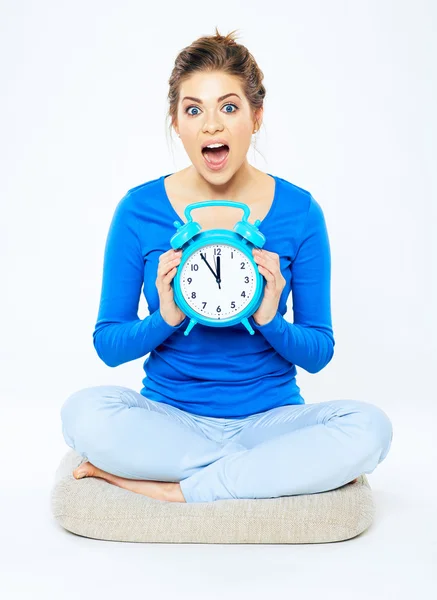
216, 156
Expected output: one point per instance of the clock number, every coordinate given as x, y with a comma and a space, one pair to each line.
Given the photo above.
189, 280
217, 251
194, 267
243, 293
243, 265
246, 279
204, 304
193, 294
218, 309
233, 304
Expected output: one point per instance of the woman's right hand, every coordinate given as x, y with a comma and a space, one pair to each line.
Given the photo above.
167, 267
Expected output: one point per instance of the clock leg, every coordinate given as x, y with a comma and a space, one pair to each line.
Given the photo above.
190, 326
248, 326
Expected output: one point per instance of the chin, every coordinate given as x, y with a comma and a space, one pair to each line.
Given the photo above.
215, 176
222, 176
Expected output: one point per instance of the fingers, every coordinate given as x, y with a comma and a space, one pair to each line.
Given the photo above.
169, 275
169, 259
262, 259
167, 266
269, 267
266, 254
266, 273
269, 259
262, 267
169, 255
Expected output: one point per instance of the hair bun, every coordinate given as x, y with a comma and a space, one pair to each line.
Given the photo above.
228, 39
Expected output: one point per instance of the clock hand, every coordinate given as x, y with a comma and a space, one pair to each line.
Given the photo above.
203, 258
217, 268
219, 280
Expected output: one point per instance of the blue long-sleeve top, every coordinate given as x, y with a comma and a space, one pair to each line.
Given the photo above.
216, 371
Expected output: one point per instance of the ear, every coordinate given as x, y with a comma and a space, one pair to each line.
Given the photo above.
175, 126
258, 117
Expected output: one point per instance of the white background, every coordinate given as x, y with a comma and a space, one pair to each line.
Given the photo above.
350, 115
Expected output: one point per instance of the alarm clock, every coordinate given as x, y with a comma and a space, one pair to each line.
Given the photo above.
217, 282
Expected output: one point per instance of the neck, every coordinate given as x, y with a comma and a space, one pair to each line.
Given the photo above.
238, 185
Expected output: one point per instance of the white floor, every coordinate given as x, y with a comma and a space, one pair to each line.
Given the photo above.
394, 558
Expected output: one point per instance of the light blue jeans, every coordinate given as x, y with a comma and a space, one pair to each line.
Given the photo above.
293, 449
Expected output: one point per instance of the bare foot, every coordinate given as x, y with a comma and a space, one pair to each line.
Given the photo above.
160, 490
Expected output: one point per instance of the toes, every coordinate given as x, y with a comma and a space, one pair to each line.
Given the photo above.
79, 474
84, 470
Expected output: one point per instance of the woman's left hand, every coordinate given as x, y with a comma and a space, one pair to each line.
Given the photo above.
269, 267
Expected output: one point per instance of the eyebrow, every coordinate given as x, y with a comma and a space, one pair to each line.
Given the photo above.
218, 99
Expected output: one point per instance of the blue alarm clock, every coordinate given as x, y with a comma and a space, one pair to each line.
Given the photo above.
217, 282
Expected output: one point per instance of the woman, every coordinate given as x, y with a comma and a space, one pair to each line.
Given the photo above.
220, 414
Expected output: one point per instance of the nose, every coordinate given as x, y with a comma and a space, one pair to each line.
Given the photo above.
212, 124
212, 129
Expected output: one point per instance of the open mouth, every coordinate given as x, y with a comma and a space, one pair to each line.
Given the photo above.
216, 158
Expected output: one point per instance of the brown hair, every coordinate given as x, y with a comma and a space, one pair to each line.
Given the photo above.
216, 53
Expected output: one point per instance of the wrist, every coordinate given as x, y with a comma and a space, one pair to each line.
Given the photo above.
262, 321
172, 321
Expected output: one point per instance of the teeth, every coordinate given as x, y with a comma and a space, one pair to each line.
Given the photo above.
214, 145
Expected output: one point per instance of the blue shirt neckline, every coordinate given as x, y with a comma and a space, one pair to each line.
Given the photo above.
177, 217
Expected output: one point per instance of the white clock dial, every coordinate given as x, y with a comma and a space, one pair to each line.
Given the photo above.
202, 292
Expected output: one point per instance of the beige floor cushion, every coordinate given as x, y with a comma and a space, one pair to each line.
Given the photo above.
92, 507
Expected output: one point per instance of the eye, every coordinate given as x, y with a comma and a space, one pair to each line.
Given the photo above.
197, 108
191, 114
231, 111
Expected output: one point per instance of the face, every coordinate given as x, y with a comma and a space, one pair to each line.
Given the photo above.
229, 119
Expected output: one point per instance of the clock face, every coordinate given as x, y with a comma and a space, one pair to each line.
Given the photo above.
213, 299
